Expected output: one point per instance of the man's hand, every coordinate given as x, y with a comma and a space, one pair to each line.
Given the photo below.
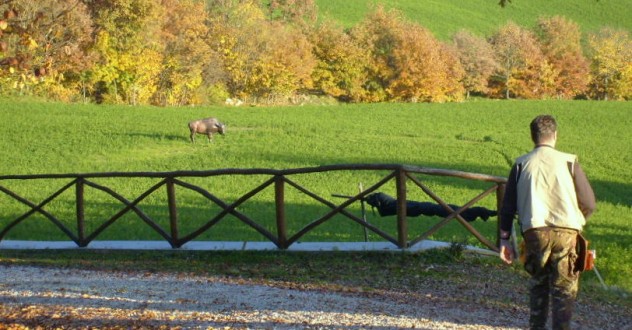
506, 251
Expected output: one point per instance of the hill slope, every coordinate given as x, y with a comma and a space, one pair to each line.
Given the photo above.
445, 17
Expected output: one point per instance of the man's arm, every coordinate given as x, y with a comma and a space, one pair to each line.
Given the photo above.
509, 207
507, 214
585, 194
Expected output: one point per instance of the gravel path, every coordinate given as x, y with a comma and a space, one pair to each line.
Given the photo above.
80, 299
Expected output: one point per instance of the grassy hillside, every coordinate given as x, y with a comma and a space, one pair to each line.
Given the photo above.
445, 17
481, 137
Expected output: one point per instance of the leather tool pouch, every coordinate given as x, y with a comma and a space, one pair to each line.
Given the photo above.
585, 257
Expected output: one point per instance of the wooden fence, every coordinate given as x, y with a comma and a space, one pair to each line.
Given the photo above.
279, 179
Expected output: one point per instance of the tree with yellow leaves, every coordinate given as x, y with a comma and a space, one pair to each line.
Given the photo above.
265, 61
341, 63
377, 35
611, 52
130, 55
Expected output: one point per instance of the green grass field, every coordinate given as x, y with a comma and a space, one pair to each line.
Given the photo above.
479, 136
483, 17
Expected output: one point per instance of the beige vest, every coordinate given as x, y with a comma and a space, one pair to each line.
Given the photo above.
546, 191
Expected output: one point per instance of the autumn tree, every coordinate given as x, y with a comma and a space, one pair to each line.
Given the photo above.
264, 60
377, 35
48, 38
341, 63
225, 38
560, 41
424, 69
407, 63
130, 55
523, 70
186, 55
16, 37
624, 85
611, 59
452, 88
285, 63
477, 59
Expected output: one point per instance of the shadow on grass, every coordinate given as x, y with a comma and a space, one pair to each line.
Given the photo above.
229, 227
616, 193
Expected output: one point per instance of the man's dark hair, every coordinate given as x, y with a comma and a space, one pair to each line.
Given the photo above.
542, 128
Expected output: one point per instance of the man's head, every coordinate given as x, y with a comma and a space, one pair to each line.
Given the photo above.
544, 129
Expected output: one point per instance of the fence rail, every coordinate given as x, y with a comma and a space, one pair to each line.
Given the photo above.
278, 179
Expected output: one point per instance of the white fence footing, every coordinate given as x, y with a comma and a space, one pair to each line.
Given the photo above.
231, 246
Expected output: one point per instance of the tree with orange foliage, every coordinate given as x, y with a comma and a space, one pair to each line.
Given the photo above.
47, 38
425, 70
407, 63
523, 69
560, 40
186, 54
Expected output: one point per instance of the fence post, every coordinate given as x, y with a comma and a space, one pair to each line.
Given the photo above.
173, 212
402, 225
500, 194
279, 199
79, 188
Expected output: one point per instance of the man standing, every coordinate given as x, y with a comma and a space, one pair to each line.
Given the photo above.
553, 198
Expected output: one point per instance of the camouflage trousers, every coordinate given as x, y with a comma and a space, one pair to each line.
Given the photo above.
550, 259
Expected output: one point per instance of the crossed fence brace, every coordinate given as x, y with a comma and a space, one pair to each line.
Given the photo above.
279, 179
